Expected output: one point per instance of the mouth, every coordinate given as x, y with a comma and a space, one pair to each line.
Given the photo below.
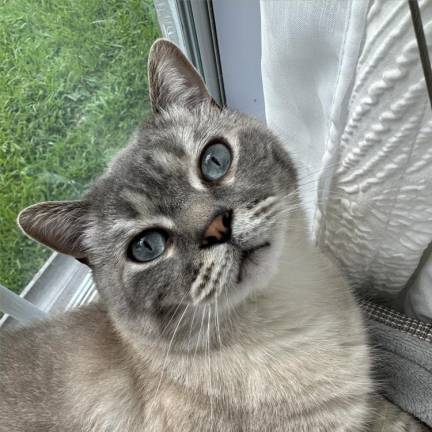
247, 256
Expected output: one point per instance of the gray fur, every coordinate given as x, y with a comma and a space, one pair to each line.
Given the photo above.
199, 339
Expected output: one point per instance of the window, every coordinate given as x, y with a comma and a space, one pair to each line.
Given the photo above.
73, 86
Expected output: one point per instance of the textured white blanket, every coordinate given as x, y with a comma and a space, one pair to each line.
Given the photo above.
344, 87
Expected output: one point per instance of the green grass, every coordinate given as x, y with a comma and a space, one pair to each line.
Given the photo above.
73, 85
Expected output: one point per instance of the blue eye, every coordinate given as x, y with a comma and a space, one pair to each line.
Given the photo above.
148, 246
215, 161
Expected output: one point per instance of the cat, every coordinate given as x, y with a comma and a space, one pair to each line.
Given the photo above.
216, 311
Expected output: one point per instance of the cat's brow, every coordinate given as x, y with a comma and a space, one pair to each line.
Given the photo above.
138, 201
145, 211
168, 156
127, 226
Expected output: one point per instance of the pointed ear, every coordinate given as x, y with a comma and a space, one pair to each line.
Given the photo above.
57, 224
173, 79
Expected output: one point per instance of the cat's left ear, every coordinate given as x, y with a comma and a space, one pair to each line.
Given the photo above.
173, 80
59, 225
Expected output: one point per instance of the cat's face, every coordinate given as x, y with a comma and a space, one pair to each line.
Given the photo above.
192, 211
165, 232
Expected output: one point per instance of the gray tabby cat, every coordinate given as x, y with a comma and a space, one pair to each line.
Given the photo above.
217, 312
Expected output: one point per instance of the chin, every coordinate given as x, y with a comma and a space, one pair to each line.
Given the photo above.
256, 268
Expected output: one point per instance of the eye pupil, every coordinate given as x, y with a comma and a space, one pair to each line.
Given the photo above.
215, 161
148, 245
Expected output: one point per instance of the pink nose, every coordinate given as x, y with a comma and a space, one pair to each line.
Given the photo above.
218, 231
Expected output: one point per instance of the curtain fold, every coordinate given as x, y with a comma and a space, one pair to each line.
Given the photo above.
344, 88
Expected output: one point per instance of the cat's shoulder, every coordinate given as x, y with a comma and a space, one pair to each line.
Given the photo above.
53, 336
37, 362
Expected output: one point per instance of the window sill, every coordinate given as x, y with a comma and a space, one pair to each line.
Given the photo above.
61, 284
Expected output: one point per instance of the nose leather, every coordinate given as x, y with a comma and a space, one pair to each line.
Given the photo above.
218, 230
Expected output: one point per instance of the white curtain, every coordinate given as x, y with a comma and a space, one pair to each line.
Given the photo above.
344, 88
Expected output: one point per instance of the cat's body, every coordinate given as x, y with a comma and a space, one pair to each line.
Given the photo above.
274, 363
218, 313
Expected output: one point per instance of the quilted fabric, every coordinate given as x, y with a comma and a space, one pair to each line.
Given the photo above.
377, 216
344, 87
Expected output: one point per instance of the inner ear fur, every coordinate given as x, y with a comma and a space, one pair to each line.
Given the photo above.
59, 225
173, 80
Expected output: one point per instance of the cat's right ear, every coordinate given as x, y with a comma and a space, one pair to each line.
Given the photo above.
59, 225
173, 80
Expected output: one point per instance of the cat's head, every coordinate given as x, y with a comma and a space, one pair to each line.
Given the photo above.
191, 212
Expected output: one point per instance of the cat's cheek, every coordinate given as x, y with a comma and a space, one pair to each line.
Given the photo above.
259, 272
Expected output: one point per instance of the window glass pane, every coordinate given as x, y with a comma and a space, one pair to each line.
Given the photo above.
73, 85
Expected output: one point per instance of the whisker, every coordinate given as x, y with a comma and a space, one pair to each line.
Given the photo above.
190, 330
209, 365
199, 335
175, 311
167, 354
228, 317
217, 323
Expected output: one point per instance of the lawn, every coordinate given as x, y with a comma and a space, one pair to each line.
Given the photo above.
73, 85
